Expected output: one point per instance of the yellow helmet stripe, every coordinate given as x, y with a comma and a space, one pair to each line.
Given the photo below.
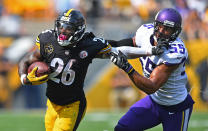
68, 12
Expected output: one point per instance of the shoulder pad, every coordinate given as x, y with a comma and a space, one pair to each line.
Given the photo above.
89, 34
143, 34
47, 32
44, 36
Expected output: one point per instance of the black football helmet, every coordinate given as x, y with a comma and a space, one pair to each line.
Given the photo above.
73, 21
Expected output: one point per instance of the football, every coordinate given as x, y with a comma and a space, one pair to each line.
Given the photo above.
43, 68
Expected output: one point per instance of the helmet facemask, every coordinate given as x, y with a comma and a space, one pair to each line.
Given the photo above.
175, 31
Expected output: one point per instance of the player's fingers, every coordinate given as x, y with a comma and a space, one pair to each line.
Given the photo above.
112, 53
121, 54
42, 77
34, 70
161, 51
114, 58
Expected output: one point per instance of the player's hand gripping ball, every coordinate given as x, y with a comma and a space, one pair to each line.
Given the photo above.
43, 68
38, 73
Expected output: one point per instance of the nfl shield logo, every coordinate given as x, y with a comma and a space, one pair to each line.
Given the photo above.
66, 52
83, 54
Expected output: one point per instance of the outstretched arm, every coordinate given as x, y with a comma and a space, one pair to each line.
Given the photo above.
129, 48
123, 42
157, 78
149, 85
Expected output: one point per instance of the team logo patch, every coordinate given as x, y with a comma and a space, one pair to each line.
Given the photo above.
83, 54
49, 48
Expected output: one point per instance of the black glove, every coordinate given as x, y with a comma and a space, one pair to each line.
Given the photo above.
121, 61
160, 48
162, 43
156, 50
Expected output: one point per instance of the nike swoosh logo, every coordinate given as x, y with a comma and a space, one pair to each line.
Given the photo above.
170, 113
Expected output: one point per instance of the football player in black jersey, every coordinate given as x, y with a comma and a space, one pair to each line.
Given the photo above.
68, 50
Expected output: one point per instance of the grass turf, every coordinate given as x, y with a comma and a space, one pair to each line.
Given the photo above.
93, 121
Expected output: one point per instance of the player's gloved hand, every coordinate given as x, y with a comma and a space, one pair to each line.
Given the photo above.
34, 80
121, 61
160, 48
162, 43
157, 50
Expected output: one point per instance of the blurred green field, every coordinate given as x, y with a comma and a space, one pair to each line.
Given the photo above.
93, 121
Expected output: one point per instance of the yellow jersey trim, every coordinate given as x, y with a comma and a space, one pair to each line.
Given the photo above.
105, 50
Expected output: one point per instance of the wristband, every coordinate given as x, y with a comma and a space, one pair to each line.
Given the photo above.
130, 70
22, 78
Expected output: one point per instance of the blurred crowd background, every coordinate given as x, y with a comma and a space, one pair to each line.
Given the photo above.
21, 21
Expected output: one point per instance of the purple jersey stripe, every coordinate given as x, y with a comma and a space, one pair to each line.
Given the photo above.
166, 63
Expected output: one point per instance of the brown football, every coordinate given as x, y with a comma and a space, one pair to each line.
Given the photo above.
43, 68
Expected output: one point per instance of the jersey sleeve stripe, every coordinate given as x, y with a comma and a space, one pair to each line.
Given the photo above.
105, 50
167, 63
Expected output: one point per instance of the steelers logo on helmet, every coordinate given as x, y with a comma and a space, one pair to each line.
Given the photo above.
170, 20
70, 27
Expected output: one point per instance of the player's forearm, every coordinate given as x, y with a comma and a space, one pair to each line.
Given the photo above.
23, 65
25, 62
22, 69
143, 83
123, 42
134, 52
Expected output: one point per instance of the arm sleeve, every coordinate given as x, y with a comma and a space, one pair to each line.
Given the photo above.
123, 42
133, 52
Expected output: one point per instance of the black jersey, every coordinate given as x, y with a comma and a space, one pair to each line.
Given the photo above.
68, 65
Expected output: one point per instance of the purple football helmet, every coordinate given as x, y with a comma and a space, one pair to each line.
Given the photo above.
171, 19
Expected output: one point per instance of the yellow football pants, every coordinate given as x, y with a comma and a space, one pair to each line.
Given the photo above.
63, 118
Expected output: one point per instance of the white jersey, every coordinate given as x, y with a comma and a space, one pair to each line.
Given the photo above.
174, 90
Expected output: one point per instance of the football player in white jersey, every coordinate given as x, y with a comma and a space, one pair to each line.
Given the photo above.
168, 101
